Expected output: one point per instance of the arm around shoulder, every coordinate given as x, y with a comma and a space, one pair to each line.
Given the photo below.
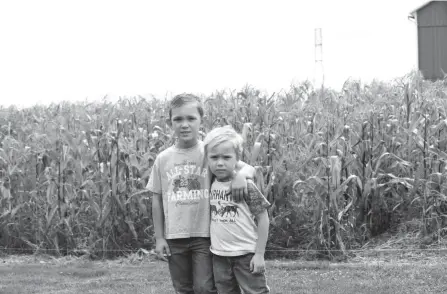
245, 170
242, 174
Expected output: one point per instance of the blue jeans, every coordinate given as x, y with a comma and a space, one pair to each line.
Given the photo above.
190, 265
232, 273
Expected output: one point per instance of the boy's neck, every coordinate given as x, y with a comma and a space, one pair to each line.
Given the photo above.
223, 180
187, 144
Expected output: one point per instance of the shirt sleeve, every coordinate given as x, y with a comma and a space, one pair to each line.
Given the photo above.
154, 183
256, 202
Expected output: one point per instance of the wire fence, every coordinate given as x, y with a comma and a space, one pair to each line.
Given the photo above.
360, 250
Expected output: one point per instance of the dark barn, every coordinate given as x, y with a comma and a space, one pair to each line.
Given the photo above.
431, 20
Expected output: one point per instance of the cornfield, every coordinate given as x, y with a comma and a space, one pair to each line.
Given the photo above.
338, 167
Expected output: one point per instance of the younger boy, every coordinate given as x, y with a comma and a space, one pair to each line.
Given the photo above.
237, 244
180, 184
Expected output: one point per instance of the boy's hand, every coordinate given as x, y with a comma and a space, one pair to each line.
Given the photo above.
257, 264
162, 249
239, 187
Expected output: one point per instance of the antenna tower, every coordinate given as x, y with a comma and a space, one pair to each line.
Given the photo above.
319, 72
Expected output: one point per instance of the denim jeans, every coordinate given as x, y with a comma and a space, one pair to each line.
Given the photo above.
190, 265
232, 273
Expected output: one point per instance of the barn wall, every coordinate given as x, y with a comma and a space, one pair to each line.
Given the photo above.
432, 40
425, 52
432, 51
440, 55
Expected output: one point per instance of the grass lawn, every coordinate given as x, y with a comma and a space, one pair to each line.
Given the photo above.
28, 274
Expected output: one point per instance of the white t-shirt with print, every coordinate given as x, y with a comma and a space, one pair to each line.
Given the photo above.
233, 228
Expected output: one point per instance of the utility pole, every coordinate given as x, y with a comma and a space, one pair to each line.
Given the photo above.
318, 71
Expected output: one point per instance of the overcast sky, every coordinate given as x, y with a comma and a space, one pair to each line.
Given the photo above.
73, 50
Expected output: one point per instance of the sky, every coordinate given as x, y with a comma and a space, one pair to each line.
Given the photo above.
85, 50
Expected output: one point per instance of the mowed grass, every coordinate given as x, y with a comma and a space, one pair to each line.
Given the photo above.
124, 276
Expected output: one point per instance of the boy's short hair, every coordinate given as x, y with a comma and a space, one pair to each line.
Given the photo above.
182, 99
224, 134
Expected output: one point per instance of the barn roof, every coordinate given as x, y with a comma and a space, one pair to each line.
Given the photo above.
413, 13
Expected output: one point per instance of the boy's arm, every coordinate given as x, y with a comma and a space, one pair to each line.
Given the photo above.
258, 207
158, 217
243, 172
161, 246
257, 264
263, 232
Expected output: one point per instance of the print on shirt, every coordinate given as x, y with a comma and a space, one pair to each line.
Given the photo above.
222, 209
186, 184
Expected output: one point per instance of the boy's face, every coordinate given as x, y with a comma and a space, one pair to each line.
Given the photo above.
222, 160
186, 121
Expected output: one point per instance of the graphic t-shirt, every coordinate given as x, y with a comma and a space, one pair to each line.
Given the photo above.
233, 228
180, 176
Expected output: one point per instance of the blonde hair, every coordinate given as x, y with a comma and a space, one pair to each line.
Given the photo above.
221, 135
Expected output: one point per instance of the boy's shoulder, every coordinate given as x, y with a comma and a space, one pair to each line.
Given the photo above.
160, 157
173, 150
167, 151
255, 199
251, 186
